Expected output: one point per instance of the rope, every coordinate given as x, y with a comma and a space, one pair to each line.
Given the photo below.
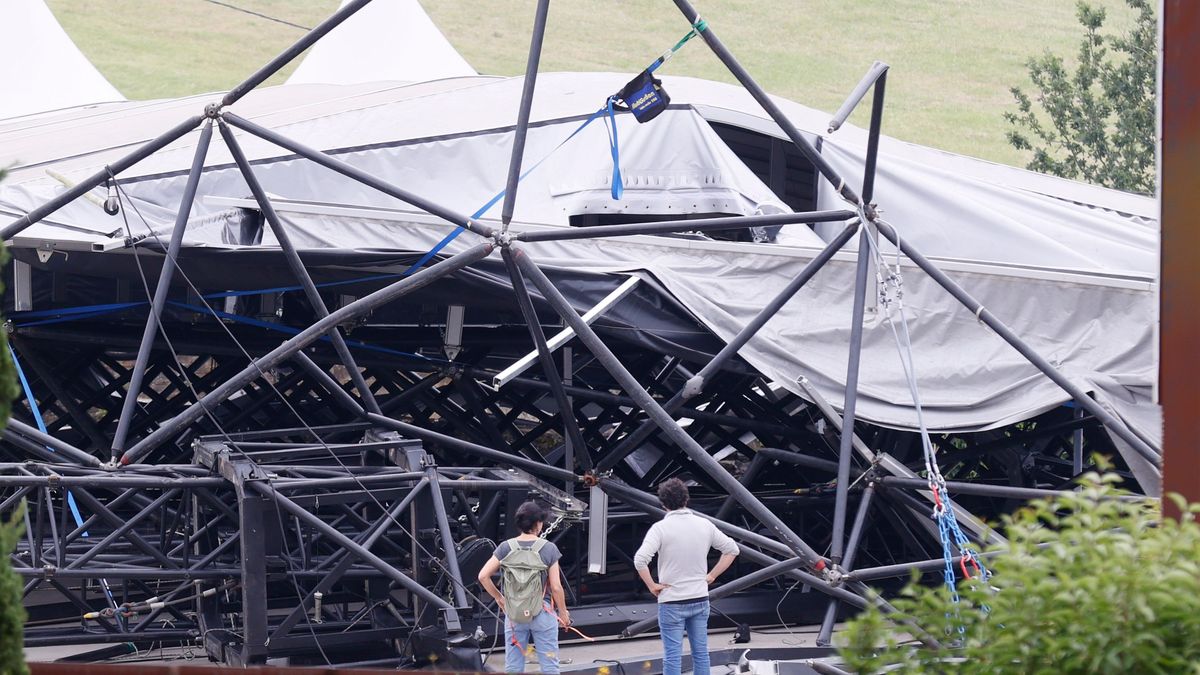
891, 300
697, 28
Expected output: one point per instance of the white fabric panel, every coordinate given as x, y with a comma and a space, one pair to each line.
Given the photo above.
386, 40
1069, 267
40, 67
676, 164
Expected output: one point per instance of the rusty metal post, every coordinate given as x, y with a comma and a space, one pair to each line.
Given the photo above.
1179, 190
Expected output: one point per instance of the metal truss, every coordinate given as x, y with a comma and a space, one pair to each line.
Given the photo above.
314, 500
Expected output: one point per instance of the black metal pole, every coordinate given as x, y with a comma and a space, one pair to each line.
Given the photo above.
764, 100
448, 543
877, 70
342, 560
315, 522
636, 499
757, 577
873, 137
331, 385
860, 518
661, 417
301, 340
296, 49
79, 416
297, 266
161, 289
983, 314
986, 490
68, 451
571, 426
731, 348
846, 450
698, 225
98, 178
518, 151
357, 174
498, 456
41, 452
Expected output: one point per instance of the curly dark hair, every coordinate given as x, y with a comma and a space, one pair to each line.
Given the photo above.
673, 494
529, 514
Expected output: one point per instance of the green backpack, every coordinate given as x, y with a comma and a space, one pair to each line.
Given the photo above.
522, 571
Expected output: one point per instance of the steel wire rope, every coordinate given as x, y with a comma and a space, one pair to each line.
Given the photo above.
187, 280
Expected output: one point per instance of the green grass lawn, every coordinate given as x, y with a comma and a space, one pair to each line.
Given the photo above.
953, 61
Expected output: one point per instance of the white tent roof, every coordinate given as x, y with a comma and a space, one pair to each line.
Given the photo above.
40, 67
386, 40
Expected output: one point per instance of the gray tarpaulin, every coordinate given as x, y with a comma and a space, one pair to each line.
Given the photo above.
1070, 268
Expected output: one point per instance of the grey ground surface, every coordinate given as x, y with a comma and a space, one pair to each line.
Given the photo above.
575, 655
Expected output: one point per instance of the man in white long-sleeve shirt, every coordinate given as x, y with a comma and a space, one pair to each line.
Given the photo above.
682, 540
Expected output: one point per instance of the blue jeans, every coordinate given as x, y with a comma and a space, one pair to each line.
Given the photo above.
544, 632
673, 620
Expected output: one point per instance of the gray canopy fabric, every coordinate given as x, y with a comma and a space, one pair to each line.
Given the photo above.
1069, 267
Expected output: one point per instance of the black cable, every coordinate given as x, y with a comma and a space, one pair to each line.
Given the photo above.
258, 14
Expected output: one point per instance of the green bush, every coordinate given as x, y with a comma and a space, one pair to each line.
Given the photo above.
1087, 584
12, 612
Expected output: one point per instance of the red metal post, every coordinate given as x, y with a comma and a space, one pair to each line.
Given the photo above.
1179, 367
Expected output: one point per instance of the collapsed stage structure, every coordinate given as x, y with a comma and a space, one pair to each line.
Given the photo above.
283, 394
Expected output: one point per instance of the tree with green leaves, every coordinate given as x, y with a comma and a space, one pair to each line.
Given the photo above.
1096, 122
1088, 583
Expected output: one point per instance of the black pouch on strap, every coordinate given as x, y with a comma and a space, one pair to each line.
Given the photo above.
645, 97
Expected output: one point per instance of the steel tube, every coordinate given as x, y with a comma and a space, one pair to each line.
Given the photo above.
296, 49
873, 136
301, 340
87, 184
359, 175
986, 490
537, 468
725, 590
114, 573
66, 450
297, 266
768, 105
846, 449
331, 385
731, 348
983, 314
570, 425
312, 520
161, 289
750, 554
676, 226
661, 417
39, 452
518, 150
443, 524
860, 517
877, 70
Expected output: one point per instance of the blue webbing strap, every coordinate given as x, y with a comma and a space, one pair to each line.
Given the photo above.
500, 195
618, 187
41, 425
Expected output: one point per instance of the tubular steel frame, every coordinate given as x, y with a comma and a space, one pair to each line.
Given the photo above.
344, 538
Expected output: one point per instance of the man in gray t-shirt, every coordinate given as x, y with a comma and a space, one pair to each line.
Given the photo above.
549, 555
542, 631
